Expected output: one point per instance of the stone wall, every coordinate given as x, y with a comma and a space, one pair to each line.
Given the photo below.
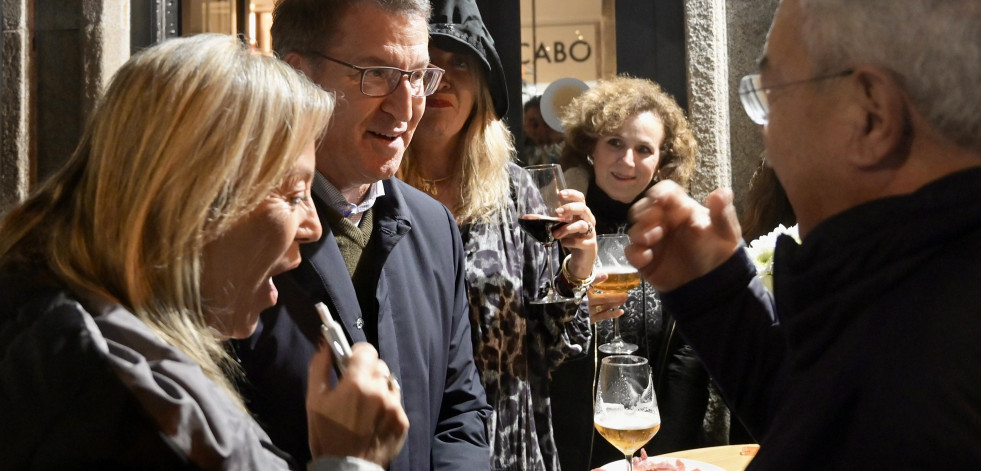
748, 23
708, 89
724, 39
15, 143
48, 91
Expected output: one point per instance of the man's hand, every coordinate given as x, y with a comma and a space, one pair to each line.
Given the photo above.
362, 416
675, 240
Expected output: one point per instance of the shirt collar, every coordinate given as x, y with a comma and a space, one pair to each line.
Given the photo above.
325, 190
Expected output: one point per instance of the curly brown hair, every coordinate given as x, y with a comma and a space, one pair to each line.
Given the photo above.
604, 108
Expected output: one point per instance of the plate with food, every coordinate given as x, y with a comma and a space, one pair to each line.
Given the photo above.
657, 463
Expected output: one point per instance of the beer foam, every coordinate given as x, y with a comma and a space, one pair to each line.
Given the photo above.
627, 420
620, 270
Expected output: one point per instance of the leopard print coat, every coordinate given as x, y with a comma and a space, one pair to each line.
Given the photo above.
518, 344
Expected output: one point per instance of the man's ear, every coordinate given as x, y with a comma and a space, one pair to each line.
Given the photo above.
884, 131
299, 62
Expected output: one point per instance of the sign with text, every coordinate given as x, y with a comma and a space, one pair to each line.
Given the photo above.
552, 52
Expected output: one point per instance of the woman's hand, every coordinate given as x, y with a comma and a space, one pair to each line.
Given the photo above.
362, 416
603, 306
578, 236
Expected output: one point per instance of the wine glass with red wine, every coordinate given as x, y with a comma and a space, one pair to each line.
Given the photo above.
539, 220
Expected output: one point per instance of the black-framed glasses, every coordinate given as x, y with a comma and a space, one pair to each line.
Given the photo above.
752, 94
380, 81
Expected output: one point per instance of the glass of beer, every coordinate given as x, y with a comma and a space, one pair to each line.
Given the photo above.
625, 410
621, 278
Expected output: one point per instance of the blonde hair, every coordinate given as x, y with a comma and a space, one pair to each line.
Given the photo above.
485, 151
191, 135
603, 109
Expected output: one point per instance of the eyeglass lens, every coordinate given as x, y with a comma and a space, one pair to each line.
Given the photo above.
753, 97
380, 81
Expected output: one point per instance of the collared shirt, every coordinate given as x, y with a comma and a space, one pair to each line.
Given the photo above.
345, 463
326, 191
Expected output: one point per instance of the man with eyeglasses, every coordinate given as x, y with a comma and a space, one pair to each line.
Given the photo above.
390, 263
867, 354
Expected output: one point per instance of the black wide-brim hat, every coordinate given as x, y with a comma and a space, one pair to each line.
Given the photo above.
456, 26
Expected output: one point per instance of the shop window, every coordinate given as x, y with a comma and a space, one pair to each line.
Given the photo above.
566, 38
208, 16
223, 16
260, 20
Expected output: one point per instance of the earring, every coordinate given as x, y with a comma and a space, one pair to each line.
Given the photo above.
589, 159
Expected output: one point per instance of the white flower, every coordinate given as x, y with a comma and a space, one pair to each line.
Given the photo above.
760, 251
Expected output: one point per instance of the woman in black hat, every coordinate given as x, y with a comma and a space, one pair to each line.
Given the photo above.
462, 154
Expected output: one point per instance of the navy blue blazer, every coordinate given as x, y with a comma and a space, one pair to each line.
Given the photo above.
423, 330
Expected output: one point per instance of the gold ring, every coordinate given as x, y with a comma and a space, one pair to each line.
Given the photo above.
393, 384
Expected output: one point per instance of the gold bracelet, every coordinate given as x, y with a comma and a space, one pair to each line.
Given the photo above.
577, 284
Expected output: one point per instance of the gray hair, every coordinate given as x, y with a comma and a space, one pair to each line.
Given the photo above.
308, 25
932, 46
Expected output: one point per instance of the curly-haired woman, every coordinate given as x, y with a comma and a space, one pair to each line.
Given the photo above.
622, 136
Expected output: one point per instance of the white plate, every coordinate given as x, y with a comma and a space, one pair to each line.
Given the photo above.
690, 465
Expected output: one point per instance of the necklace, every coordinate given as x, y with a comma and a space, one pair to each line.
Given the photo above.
429, 186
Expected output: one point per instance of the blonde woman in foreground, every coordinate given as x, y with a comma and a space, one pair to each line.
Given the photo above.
158, 240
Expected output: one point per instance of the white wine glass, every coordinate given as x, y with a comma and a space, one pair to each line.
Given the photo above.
621, 278
625, 411
539, 220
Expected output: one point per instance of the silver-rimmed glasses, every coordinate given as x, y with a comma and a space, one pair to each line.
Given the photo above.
752, 94
378, 81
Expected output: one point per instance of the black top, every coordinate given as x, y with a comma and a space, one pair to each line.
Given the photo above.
681, 383
874, 361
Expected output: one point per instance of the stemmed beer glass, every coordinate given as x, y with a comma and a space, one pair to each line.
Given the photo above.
539, 220
625, 410
621, 278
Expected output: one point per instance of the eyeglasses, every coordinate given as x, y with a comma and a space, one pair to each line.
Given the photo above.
380, 81
753, 94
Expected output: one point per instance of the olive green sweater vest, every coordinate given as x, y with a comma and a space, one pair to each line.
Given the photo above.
351, 239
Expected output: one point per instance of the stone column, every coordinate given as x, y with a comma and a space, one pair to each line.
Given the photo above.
15, 143
748, 25
105, 40
708, 93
